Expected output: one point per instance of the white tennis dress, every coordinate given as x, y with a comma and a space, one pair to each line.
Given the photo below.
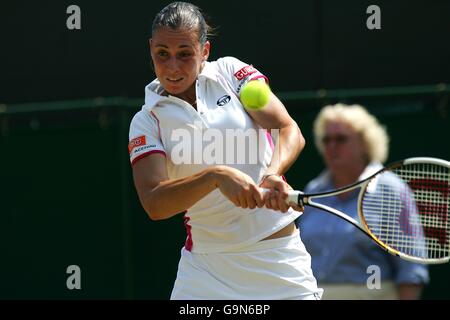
224, 257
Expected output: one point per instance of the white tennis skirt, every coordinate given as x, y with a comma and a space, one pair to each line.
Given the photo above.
267, 270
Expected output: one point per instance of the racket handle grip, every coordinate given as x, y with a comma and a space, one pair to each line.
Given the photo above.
293, 195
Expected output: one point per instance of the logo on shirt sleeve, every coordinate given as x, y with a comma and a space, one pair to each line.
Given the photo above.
136, 142
245, 72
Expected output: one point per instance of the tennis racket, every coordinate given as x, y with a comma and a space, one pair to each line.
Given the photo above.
403, 207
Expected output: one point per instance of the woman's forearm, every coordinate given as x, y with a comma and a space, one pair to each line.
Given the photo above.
171, 197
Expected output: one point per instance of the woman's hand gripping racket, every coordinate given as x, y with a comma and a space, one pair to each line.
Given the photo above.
403, 207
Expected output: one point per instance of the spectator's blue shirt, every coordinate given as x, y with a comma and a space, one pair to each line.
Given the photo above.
340, 252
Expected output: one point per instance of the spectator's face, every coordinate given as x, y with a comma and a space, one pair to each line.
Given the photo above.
178, 58
343, 147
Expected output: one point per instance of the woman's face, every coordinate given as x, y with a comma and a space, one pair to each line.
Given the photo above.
343, 147
178, 58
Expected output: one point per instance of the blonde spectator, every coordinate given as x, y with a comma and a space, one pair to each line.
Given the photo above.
353, 145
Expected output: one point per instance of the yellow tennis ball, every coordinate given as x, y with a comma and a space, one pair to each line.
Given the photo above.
255, 94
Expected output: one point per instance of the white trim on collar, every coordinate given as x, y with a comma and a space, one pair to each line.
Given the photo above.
152, 96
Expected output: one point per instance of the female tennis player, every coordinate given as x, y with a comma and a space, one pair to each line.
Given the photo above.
241, 244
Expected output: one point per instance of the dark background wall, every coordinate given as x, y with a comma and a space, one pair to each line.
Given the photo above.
66, 195
300, 45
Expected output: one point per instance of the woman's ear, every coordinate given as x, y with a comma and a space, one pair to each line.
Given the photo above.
206, 50
151, 55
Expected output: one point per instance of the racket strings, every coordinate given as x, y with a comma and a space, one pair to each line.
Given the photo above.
407, 208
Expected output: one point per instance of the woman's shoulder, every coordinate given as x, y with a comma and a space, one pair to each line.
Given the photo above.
142, 117
228, 61
233, 67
